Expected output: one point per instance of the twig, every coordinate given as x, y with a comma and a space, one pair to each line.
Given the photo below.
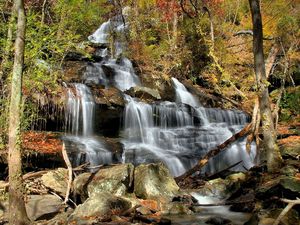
290, 205
70, 171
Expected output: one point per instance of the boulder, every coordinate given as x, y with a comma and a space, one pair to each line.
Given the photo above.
175, 208
115, 180
218, 221
153, 181
56, 180
43, 206
80, 185
222, 188
144, 93
290, 146
110, 97
99, 207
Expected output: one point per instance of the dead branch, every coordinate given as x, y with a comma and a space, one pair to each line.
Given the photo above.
290, 205
204, 160
70, 171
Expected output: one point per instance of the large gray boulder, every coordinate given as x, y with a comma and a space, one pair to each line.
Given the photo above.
114, 179
43, 206
153, 181
99, 208
56, 180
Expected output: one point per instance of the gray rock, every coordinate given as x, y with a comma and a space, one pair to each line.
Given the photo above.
56, 180
114, 179
42, 206
154, 181
144, 93
99, 208
80, 185
175, 208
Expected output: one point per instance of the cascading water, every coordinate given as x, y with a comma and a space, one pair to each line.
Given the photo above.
120, 72
180, 133
80, 109
177, 133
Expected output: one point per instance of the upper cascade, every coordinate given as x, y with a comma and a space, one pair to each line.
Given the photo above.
182, 94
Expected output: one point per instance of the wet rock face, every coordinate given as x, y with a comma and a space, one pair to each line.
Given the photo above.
99, 208
154, 181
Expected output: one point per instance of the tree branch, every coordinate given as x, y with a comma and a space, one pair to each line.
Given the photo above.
204, 160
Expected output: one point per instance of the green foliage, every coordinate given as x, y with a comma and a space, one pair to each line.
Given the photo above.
290, 103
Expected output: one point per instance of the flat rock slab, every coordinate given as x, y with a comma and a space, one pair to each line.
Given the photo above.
42, 206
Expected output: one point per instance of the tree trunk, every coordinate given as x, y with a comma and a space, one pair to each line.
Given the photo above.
17, 211
272, 154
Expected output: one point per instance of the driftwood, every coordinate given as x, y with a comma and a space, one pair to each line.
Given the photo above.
70, 172
290, 205
204, 160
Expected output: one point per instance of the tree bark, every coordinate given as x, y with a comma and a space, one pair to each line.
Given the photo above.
17, 211
272, 154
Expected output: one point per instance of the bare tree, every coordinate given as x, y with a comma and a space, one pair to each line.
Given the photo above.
17, 211
271, 149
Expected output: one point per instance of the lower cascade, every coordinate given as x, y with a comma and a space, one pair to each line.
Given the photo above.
179, 134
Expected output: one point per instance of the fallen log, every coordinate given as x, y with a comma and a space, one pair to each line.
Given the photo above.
204, 160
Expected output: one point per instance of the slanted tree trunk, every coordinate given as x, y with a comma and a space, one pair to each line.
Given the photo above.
17, 211
272, 154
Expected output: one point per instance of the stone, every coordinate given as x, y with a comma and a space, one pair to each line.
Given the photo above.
80, 185
223, 188
143, 210
43, 206
154, 181
218, 221
115, 180
175, 208
56, 180
290, 146
110, 96
99, 207
144, 93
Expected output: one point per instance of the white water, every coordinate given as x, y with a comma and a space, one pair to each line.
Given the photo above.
180, 133
177, 133
121, 73
80, 109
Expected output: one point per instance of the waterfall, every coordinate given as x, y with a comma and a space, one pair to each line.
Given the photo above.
110, 71
182, 94
176, 133
80, 109
180, 133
